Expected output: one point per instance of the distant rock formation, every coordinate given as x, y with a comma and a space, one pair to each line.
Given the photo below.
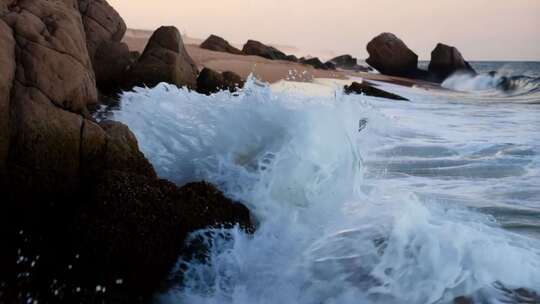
390, 55
164, 59
210, 81
347, 62
447, 60
369, 90
218, 44
256, 48
317, 63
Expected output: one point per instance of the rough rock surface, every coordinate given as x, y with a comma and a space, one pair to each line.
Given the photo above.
164, 59
218, 44
389, 55
101, 23
256, 48
111, 61
7, 64
369, 90
447, 60
210, 81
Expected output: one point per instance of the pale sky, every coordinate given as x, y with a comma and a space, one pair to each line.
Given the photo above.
480, 29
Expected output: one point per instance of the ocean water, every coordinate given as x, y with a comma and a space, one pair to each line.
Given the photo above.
429, 200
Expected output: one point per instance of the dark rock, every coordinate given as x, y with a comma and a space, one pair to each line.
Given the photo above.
102, 23
218, 44
111, 62
210, 81
447, 60
463, 300
315, 62
164, 59
291, 58
368, 90
123, 152
344, 62
256, 48
7, 62
390, 56
329, 65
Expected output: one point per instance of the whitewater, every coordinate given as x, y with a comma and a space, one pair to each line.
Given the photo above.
357, 199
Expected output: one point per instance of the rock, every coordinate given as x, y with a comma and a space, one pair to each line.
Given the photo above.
291, 58
102, 23
164, 59
329, 65
218, 44
256, 48
389, 55
123, 152
368, 90
7, 62
447, 60
344, 62
111, 62
133, 227
315, 62
210, 81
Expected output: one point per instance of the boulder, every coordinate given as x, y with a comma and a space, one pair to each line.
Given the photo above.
291, 58
210, 81
316, 63
218, 44
123, 152
102, 23
256, 48
164, 59
7, 62
447, 60
111, 61
369, 90
344, 62
390, 55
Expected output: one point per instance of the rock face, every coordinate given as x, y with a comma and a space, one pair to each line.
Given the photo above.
447, 60
78, 194
218, 44
389, 55
111, 62
164, 59
256, 48
210, 81
369, 90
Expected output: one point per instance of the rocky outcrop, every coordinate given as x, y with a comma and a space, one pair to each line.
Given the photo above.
447, 60
256, 48
370, 90
210, 81
347, 62
390, 55
218, 44
164, 59
7, 54
317, 63
291, 58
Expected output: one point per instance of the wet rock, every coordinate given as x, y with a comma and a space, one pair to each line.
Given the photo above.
390, 55
218, 44
210, 81
256, 48
164, 59
102, 23
447, 60
368, 90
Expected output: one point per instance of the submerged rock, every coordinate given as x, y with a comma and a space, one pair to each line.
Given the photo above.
164, 59
218, 44
447, 60
210, 81
390, 55
368, 90
256, 48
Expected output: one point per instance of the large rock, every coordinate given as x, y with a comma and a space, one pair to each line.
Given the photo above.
111, 62
102, 23
389, 55
256, 48
210, 81
164, 59
344, 62
370, 90
447, 60
7, 64
216, 43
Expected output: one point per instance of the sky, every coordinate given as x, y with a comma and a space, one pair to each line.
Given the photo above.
480, 29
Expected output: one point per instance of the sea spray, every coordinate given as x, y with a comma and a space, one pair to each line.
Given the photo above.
328, 233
